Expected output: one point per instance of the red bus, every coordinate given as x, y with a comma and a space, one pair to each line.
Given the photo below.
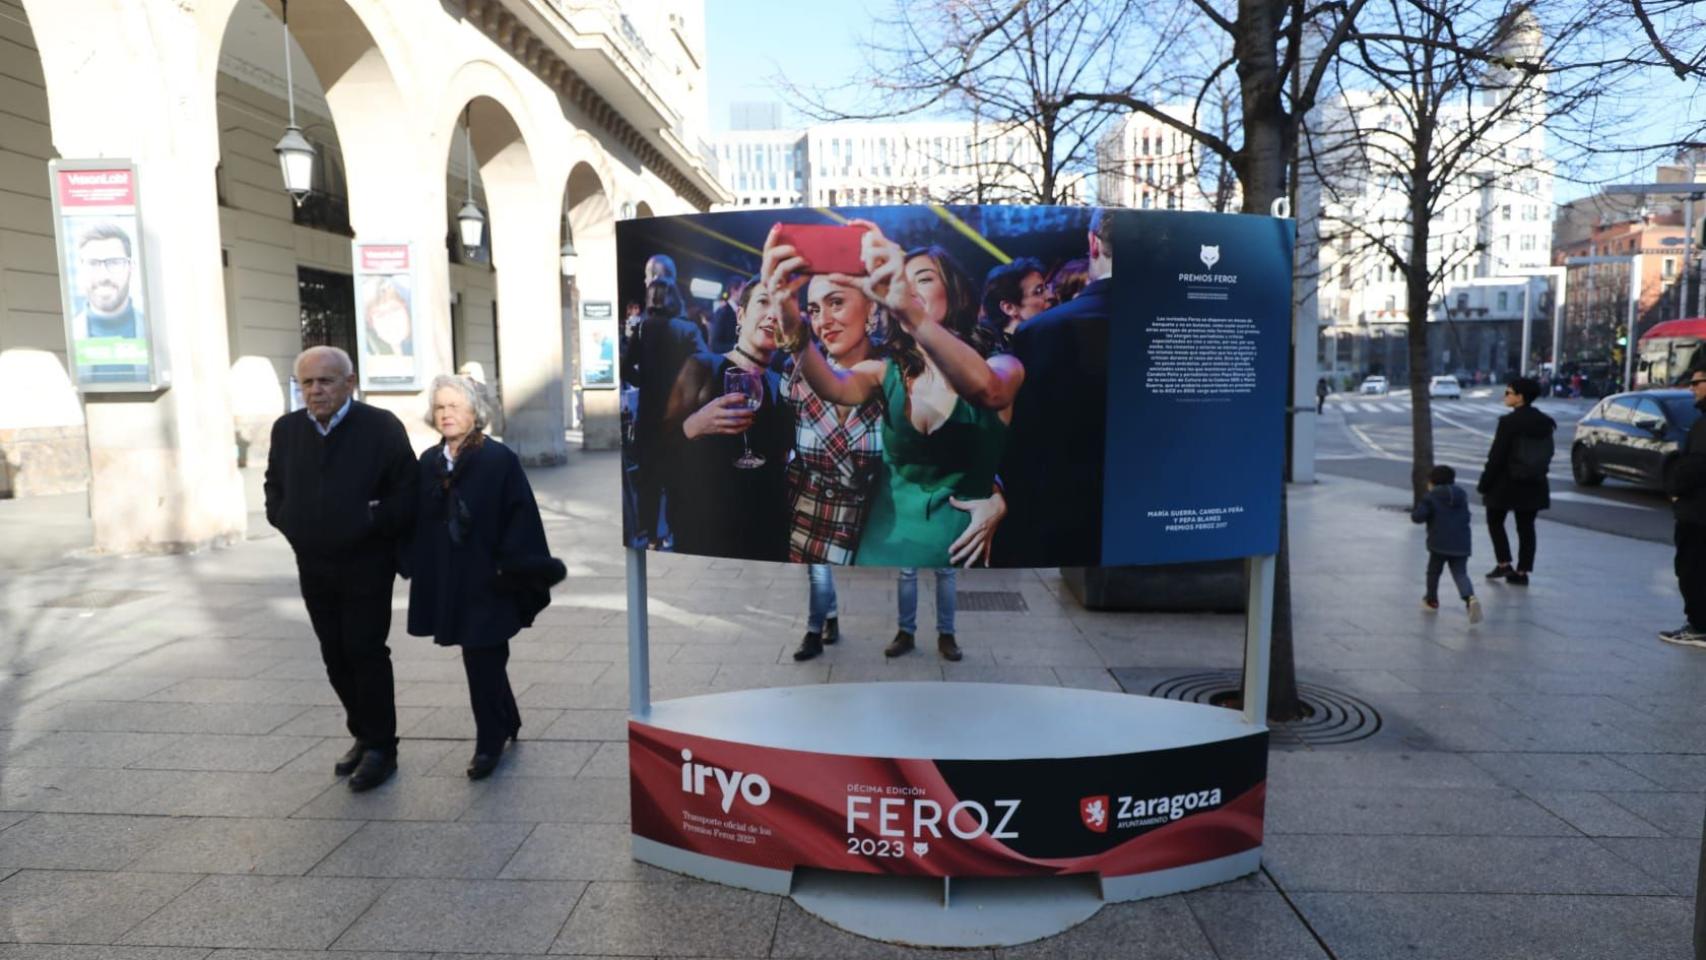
1669, 352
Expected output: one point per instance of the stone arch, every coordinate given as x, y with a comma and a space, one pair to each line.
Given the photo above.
643, 210
589, 218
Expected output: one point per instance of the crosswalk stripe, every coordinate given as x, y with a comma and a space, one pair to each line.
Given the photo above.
1394, 408
1370, 408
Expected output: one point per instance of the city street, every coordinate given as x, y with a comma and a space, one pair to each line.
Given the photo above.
1368, 437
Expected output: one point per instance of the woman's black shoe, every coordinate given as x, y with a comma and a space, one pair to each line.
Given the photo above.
482, 764
831, 631
810, 646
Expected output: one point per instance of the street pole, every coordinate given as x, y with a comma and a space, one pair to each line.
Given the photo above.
1527, 331
1634, 312
1558, 320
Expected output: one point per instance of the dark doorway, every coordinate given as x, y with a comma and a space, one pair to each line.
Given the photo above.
328, 310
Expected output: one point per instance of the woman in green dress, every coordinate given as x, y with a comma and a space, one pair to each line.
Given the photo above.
946, 400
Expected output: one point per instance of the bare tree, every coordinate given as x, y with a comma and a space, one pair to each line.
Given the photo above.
1677, 33
1440, 120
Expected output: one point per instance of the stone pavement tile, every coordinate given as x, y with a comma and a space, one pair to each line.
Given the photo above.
143, 716
617, 651
922, 664
469, 851
580, 851
746, 676
543, 800
410, 795
108, 688
1252, 926
755, 652
61, 790
523, 758
249, 845
75, 907
172, 662
429, 694
1542, 706
412, 754
436, 671
10, 819
219, 752
98, 750
298, 692
1160, 929
53, 841
307, 667
245, 954
1496, 927
1673, 861
1426, 770
979, 673
457, 723
1671, 771
1364, 683
555, 695
1560, 771
71, 951
1087, 678
1047, 654
1559, 865
1677, 814
300, 913
1369, 810
500, 916
671, 920
579, 673
1594, 814
538, 650
217, 794
588, 725
610, 761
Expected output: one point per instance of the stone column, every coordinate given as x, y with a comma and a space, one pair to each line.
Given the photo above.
525, 242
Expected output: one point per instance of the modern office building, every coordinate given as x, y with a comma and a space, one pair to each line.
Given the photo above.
1147, 164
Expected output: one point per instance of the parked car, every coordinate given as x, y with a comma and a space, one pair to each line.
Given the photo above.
1632, 436
1374, 385
1446, 386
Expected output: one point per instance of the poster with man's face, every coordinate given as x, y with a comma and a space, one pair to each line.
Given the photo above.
384, 292
108, 338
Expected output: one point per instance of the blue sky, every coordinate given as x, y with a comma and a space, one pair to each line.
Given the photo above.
749, 43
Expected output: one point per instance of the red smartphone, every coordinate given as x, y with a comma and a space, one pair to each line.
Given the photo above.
827, 248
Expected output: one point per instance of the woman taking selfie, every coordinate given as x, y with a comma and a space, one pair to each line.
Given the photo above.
945, 404
726, 436
479, 564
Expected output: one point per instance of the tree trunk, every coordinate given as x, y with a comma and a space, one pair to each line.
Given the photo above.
1416, 303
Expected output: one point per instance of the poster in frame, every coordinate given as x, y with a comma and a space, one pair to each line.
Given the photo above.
386, 327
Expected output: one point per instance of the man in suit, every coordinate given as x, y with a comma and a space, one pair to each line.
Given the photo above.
1051, 473
340, 486
666, 340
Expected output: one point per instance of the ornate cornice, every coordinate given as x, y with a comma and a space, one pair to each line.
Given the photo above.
534, 54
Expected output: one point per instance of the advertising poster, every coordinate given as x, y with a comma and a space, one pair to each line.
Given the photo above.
598, 345
1109, 815
384, 306
924, 385
109, 339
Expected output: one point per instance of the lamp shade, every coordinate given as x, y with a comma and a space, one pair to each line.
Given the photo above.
296, 162
569, 259
471, 224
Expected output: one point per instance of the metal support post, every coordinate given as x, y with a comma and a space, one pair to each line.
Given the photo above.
639, 649
1527, 331
1258, 637
1630, 343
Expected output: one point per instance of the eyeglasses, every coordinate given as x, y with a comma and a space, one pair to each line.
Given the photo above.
1696, 383
108, 264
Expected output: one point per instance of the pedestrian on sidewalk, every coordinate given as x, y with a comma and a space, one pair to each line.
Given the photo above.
1445, 509
906, 592
479, 565
1514, 479
340, 486
823, 623
1321, 392
1686, 486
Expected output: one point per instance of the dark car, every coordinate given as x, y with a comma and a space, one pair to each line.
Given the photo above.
1632, 436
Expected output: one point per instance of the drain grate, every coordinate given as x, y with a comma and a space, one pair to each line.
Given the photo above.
1333, 716
991, 601
98, 599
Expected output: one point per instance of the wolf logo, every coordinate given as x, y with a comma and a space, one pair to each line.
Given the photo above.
1094, 812
1210, 255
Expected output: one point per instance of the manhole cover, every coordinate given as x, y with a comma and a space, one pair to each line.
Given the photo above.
97, 599
992, 601
1333, 716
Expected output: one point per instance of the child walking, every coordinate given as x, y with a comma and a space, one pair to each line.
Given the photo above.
1445, 509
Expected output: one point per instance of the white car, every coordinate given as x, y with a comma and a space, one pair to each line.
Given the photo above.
1374, 385
1445, 387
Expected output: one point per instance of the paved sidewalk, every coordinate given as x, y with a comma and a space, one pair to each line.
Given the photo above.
167, 734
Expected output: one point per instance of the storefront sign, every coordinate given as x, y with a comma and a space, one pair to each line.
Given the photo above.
110, 338
384, 306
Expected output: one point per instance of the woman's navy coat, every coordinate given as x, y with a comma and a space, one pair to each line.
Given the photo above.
482, 591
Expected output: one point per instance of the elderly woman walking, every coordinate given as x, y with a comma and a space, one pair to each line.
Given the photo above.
480, 567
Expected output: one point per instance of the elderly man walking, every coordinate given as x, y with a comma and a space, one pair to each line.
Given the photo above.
340, 486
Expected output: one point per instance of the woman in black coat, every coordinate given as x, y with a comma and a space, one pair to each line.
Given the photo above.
1514, 479
480, 568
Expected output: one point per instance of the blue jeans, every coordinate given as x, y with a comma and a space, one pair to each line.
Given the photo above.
906, 591
822, 604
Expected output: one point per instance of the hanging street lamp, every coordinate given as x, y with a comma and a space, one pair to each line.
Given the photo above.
568, 258
295, 153
470, 220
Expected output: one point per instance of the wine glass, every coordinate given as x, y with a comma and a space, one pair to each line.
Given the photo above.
751, 387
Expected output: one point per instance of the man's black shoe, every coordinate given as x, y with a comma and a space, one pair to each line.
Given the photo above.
375, 768
347, 763
901, 644
1517, 579
949, 649
482, 764
810, 646
831, 631
1500, 572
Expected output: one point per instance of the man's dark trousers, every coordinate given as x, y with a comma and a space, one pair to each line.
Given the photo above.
351, 615
1691, 571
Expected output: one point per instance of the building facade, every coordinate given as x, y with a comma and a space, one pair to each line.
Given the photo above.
555, 118
1146, 164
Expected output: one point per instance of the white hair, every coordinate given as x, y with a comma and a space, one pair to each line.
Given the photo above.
345, 365
470, 392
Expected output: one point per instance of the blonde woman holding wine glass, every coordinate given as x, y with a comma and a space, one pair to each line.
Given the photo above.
726, 437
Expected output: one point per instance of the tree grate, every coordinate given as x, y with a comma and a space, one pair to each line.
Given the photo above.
991, 601
1332, 716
